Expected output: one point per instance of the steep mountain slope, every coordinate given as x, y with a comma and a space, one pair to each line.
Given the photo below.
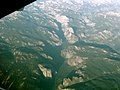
59, 45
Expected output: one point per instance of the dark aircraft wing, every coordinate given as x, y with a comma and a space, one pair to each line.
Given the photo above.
9, 6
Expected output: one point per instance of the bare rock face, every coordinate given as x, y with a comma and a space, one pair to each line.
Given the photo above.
46, 72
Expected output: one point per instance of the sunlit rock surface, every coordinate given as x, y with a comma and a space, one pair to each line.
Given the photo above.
46, 72
61, 45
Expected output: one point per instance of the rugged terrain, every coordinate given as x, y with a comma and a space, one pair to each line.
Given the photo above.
61, 45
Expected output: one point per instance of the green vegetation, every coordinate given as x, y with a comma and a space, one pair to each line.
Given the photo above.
41, 52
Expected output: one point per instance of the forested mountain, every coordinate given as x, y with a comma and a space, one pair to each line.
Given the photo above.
61, 45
